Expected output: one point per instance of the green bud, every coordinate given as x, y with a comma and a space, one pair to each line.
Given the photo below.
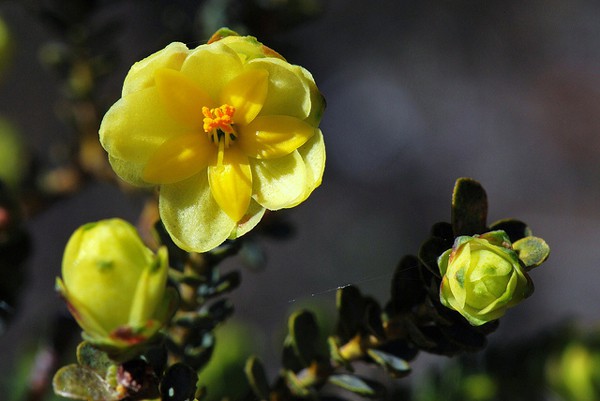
115, 286
482, 277
574, 373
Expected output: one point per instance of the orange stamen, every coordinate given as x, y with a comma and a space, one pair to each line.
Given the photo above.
218, 118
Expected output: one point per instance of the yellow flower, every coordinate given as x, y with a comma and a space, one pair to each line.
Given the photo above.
226, 130
114, 286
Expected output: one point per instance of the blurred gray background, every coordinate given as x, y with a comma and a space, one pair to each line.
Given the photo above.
419, 93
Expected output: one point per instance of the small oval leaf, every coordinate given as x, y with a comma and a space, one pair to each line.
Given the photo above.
395, 366
93, 358
179, 383
469, 207
257, 377
357, 385
82, 383
532, 251
304, 336
351, 310
515, 229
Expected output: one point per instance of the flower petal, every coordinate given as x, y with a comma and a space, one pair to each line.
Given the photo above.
190, 214
231, 183
457, 273
317, 101
269, 137
252, 217
288, 93
179, 158
141, 74
129, 171
247, 93
85, 317
279, 183
211, 67
150, 290
182, 97
135, 127
313, 154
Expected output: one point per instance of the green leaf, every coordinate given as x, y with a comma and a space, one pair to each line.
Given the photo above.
373, 320
396, 367
357, 385
515, 229
351, 309
295, 385
304, 336
82, 383
430, 251
334, 353
532, 251
93, 358
178, 383
469, 207
257, 377
407, 290
289, 357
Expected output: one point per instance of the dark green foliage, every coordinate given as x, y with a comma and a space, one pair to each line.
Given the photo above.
395, 366
469, 207
515, 229
406, 291
304, 337
178, 383
358, 385
257, 377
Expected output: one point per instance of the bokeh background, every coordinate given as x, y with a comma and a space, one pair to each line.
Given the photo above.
419, 93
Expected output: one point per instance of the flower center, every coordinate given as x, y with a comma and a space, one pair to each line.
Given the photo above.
218, 124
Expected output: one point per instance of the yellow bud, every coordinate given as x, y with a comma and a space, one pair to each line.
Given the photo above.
482, 277
114, 285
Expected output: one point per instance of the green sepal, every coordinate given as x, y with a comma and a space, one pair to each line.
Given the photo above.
497, 238
532, 251
396, 367
82, 383
443, 261
469, 207
357, 385
257, 377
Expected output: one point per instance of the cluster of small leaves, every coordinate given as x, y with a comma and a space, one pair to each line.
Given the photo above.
96, 377
413, 320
